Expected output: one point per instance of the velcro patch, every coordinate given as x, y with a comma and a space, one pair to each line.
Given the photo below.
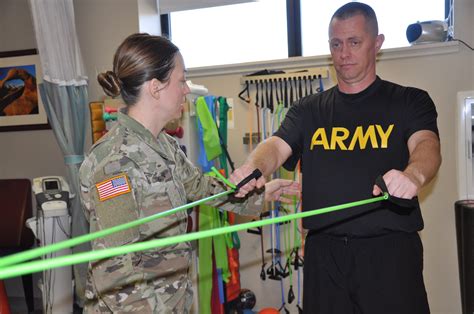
113, 187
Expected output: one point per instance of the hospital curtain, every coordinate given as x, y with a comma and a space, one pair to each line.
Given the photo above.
64, 95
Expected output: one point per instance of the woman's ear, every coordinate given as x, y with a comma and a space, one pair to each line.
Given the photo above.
155, 87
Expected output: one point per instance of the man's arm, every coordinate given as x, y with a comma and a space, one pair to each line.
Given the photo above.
267, 157
424, 162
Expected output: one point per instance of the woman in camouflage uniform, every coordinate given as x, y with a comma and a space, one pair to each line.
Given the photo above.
137, 170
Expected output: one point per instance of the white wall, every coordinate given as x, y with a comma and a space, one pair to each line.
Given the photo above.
101, 26
16, 25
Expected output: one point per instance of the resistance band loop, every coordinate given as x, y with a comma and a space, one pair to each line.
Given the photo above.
37, 252
36, 266
224, 179
40, 251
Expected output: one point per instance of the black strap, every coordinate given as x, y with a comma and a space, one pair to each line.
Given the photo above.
300, 309
224, 148
246, 89
291, 90
254, 175
291, 295
271, 96
403, 202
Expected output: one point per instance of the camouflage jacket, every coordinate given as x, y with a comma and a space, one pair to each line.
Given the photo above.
129, 174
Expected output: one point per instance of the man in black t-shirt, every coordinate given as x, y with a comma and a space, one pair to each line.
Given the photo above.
366, 259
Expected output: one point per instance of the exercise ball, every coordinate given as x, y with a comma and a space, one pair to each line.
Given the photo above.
247, 299
269, 310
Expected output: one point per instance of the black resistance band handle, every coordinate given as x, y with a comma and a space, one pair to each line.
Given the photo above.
254, 175
403, 202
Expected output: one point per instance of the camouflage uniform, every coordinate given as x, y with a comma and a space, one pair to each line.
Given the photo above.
154, 176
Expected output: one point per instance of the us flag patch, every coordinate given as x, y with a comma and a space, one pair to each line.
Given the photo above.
113, 187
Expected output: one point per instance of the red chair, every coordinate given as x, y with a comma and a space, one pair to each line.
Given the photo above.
15, 209
4, 306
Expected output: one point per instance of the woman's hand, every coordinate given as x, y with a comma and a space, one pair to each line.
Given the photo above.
277, 188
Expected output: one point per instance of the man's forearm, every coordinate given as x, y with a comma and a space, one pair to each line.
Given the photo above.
269, 155
424, 161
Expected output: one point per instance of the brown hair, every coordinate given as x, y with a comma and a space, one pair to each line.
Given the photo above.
140, 58
355, 8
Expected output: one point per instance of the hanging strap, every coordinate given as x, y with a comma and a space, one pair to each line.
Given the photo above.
210, 134
321, 86
257, 109
206, 165
222, 132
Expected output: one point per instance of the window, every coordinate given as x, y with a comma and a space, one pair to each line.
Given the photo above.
393, 18
246, 32
258, 31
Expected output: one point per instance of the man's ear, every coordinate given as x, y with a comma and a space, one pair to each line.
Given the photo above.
154, 88
379, 41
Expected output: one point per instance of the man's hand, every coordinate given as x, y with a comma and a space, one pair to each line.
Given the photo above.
240, 174
267, 157
399, 184
277, 188
424, 162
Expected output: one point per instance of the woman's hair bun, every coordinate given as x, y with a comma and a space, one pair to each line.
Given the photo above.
110, 83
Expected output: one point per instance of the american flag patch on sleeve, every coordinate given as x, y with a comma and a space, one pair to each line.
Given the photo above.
113, 187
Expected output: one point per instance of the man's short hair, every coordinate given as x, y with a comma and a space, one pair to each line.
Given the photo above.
351, 9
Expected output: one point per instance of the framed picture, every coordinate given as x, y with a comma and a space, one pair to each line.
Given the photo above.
21, 107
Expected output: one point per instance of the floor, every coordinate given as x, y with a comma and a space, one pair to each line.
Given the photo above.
18, 306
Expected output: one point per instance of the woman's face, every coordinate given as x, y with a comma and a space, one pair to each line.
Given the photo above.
173, 95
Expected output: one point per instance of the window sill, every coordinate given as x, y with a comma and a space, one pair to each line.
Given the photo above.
324, 60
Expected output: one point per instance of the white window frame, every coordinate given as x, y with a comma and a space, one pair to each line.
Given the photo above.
465, 103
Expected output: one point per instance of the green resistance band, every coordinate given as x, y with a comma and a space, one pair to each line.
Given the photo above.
40, 251
36, 266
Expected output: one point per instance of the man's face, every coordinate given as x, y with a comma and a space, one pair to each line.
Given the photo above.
353, 49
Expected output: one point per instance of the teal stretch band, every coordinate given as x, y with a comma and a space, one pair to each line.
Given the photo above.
36, 266
73, 159
40, 251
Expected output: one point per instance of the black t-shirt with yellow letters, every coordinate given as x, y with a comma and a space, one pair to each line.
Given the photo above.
345, 141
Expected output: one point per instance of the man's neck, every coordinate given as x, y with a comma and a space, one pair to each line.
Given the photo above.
357, 87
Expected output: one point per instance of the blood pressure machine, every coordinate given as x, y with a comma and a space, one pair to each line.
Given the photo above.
53, 224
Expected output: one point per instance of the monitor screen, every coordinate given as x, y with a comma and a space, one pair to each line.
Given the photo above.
51, 185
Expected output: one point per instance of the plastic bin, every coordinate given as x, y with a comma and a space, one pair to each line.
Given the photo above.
464, 211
